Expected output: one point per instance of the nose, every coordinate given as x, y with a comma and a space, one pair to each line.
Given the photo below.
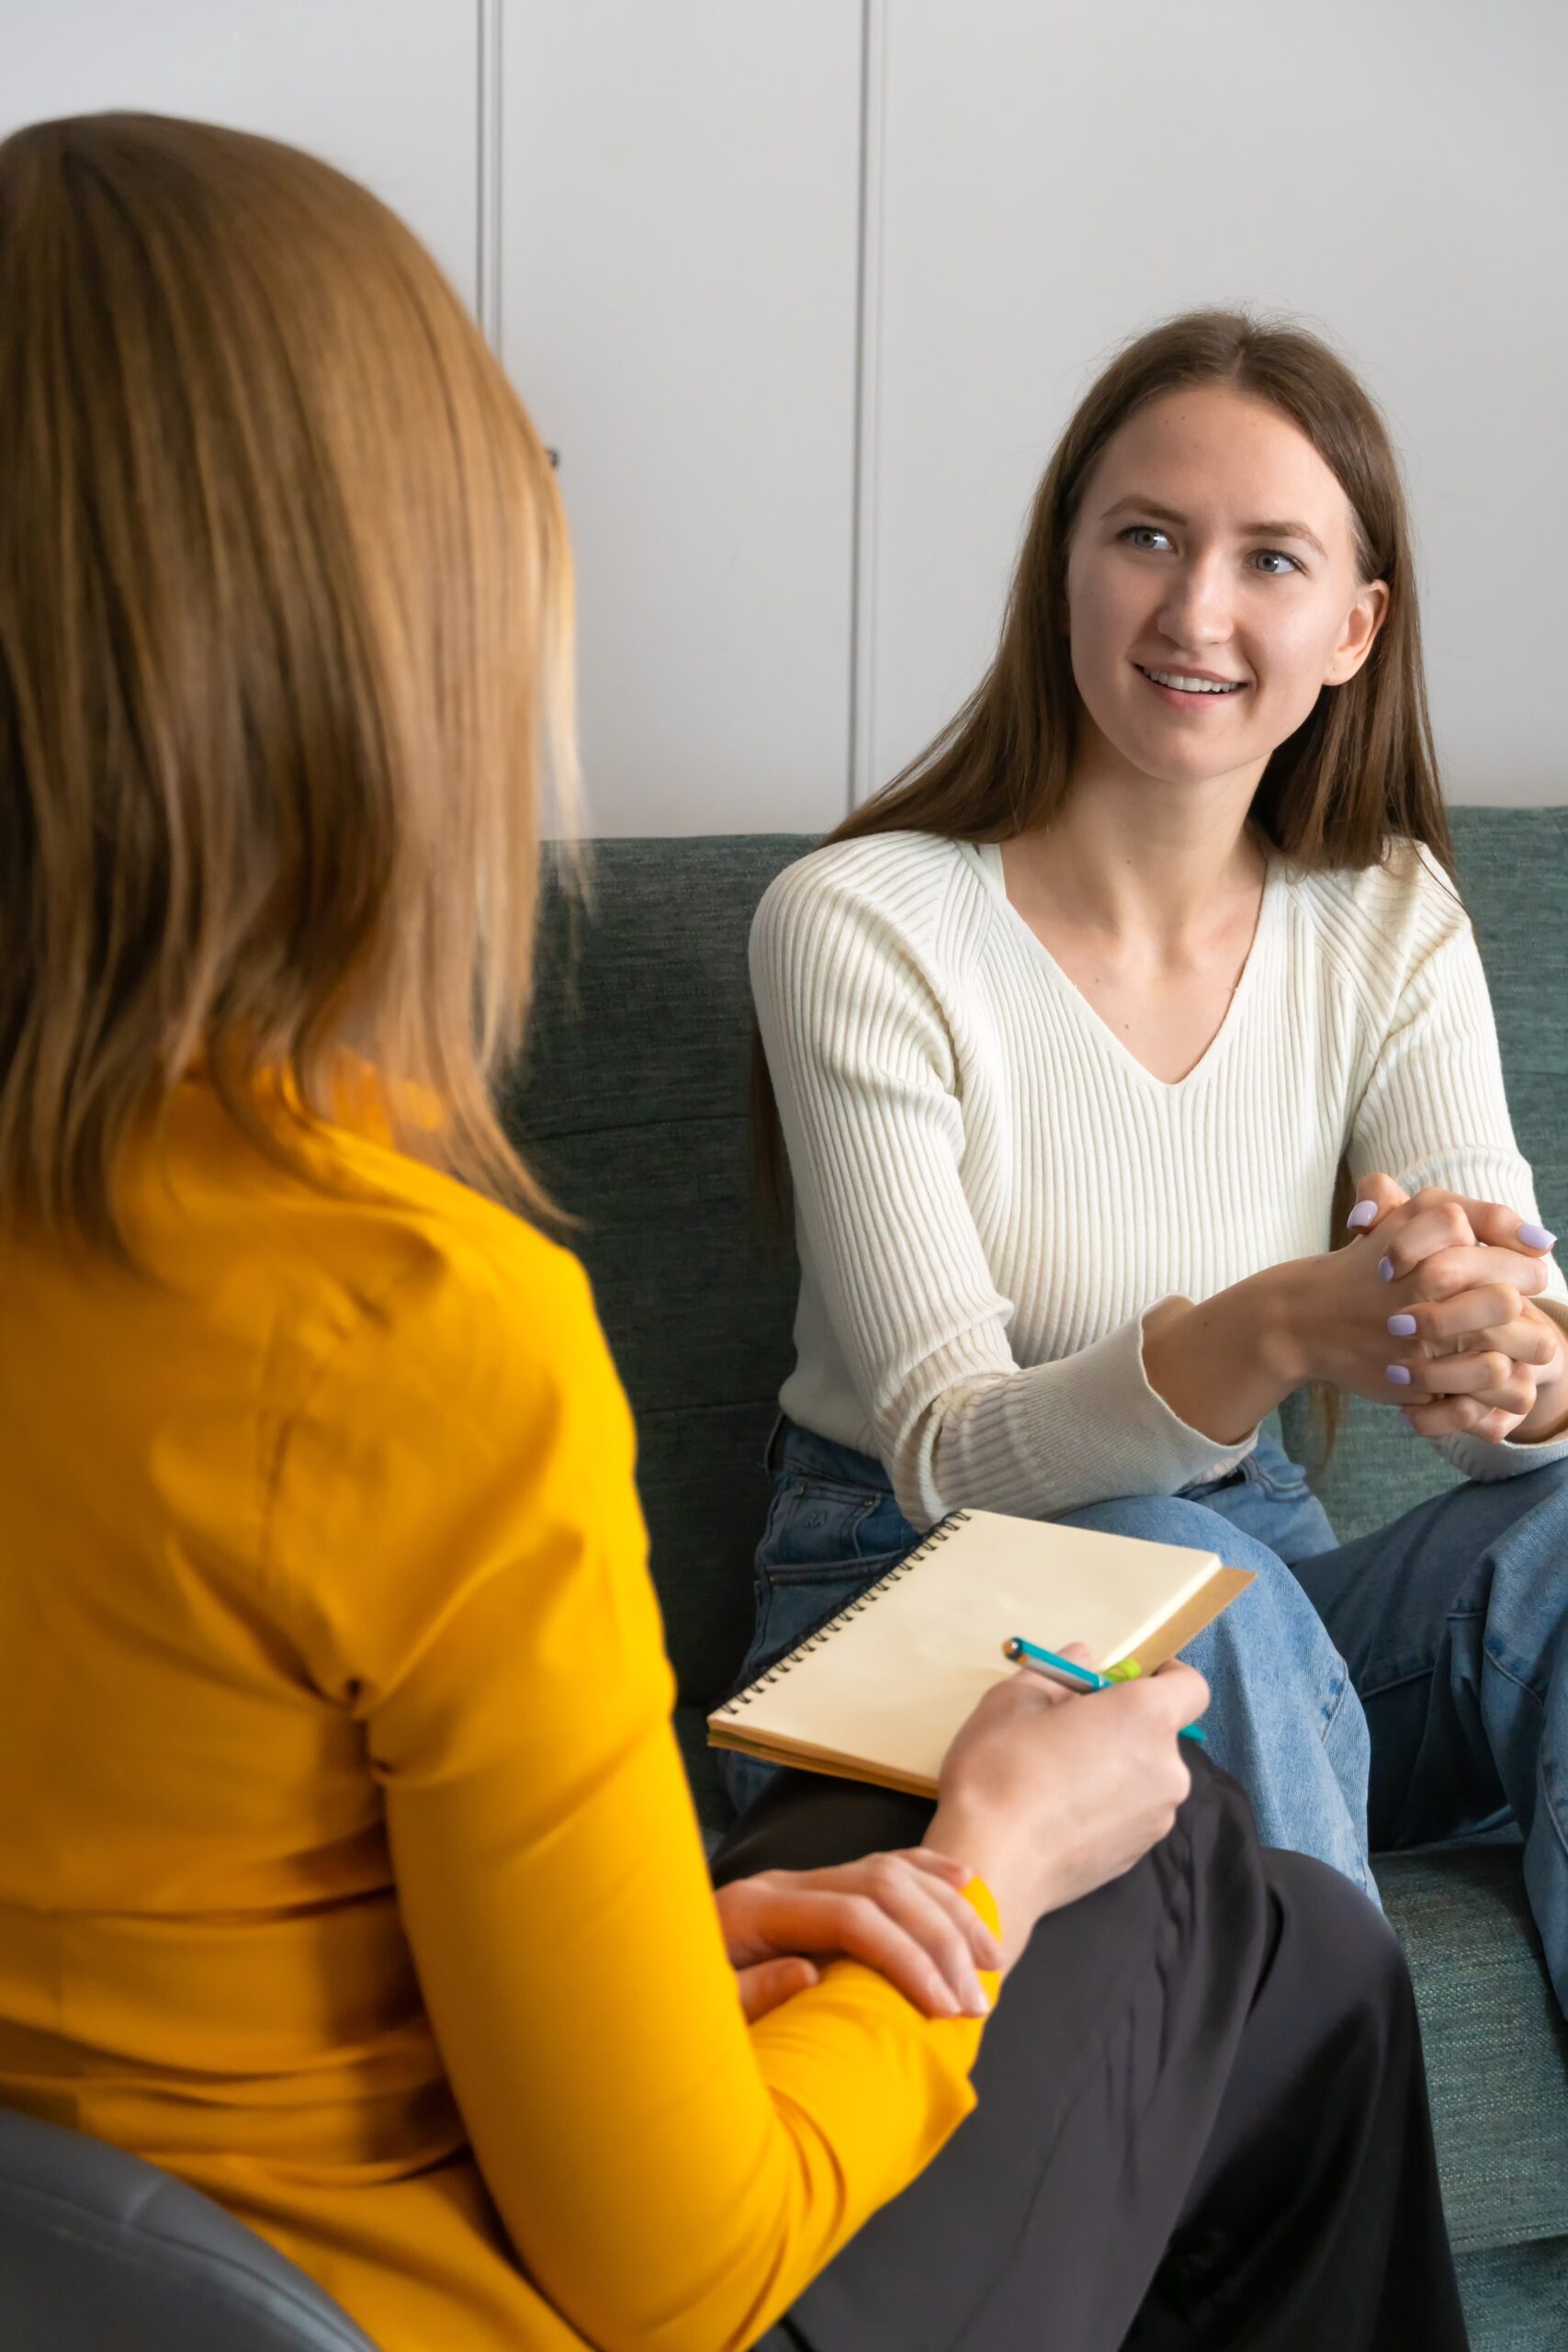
1196, 608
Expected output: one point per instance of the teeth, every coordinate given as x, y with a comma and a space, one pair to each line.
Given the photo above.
1189, 685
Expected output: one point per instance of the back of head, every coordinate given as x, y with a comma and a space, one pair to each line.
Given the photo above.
285, 645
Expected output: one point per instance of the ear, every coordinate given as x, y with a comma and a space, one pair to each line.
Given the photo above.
1362, 622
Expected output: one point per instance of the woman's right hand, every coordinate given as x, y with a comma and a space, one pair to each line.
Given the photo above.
1474, 1360
1046, 1795
1458, 1268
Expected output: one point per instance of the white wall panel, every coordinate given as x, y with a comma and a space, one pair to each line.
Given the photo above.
385, 89
677, 281
1047, 180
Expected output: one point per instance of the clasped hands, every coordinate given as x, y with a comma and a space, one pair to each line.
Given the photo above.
1468, 1351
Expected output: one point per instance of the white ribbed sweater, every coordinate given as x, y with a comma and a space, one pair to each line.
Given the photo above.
991, 1192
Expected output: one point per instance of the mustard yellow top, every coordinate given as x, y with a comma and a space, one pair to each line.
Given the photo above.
348, 1866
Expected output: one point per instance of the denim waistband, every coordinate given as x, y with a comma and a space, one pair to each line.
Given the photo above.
793, 1448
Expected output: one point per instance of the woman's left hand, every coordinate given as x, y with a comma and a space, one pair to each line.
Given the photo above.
901, 1913
1487, 1362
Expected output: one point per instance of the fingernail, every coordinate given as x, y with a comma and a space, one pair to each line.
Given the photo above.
1385, 1268
1402, 1325
1399, 1375
1361, 1215
1536, 1237
977, 2006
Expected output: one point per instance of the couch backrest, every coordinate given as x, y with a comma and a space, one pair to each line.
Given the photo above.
633, 1099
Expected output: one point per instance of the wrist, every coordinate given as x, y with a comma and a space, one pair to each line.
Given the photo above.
965, 1836
1224, 1363
1282, 1324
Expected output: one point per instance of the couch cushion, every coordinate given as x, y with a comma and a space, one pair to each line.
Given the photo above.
632, 1106
1495, 2041
1515, 2296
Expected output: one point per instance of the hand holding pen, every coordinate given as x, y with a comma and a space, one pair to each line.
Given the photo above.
1045, 1799
1070, 1676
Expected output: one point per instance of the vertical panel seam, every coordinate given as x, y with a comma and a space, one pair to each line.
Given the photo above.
488, 147
867, 364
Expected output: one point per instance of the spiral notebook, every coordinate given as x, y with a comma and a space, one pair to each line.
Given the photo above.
878, 1691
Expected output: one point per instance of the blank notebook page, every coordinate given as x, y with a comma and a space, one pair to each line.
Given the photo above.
899, 1672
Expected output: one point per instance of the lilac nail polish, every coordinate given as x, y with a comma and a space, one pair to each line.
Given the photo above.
1361, 1215
1400, 1376
1536, 1237
1402, 1325
1385, 1268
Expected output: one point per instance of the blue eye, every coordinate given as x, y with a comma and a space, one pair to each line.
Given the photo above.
1152, 531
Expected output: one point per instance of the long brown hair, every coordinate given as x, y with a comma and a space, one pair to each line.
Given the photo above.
1359, 769
285, 655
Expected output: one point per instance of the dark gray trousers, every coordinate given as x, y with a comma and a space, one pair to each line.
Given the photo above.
1203, 2120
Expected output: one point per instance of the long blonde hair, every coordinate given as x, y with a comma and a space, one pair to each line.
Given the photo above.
286, 635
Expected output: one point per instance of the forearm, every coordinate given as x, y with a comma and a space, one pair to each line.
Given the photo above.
1223, 1364
1044, 1438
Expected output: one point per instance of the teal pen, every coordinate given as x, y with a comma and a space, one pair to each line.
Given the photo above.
1072, 1677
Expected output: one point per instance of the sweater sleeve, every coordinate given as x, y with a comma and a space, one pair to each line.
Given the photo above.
459, 1509
1435, 1112
864, 1076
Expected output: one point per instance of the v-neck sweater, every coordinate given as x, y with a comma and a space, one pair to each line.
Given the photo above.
992, 1191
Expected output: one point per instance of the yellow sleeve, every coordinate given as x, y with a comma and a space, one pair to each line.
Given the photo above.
669, 2177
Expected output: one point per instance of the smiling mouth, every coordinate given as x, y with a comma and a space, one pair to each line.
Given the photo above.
1179, 682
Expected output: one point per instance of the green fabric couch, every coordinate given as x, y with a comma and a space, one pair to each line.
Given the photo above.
633, 1104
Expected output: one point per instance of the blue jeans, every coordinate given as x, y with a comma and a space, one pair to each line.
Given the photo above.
1410, 1686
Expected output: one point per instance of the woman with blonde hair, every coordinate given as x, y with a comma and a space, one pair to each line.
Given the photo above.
1076, 1031
349, 1868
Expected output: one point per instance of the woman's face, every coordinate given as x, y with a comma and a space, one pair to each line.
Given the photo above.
1212, 544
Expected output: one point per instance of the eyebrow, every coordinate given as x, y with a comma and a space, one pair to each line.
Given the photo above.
1276, 530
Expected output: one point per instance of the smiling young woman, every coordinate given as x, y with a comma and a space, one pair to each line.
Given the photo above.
1072, 1033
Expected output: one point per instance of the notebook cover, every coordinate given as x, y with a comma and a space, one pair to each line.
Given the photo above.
877, 1693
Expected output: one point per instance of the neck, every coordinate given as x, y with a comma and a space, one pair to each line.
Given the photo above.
1136, 862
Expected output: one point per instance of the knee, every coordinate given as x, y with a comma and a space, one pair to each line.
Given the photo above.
1341, 1941
1270, 1638
1176, 1519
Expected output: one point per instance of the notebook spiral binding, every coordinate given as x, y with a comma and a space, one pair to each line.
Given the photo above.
781, 1667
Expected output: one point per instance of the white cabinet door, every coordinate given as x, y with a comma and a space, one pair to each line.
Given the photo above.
677, 281
385, 89
1043, 182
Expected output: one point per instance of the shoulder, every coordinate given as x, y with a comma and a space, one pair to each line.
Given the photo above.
372, 1303
894, 886
450, 1301
1376, 925
459, 1485
464, 1418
